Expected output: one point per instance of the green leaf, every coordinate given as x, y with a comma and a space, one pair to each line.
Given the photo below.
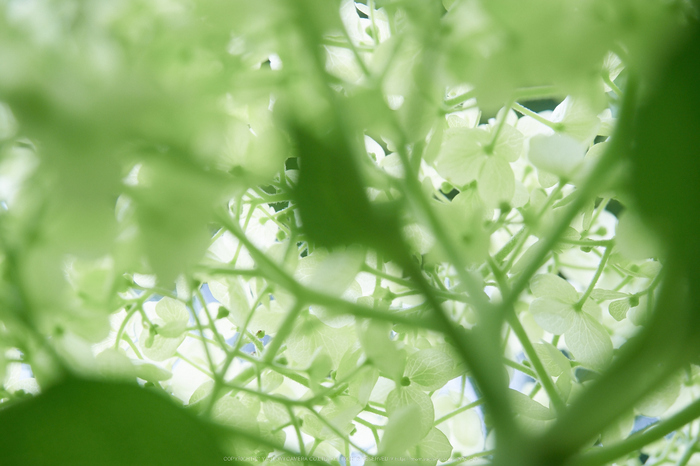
81, 422
589, 342
429, 369
402, 397
665, 123
618, 309
174, 201
553, 316
330, 194
552, 286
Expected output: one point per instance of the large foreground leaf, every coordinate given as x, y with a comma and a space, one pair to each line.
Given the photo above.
82, 422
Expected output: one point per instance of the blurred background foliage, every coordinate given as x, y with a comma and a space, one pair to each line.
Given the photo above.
127, 126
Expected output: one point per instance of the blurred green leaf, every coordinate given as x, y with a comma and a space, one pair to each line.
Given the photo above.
81, 422
331, 197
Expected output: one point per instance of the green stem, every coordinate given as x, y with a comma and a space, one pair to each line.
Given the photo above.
536, 362
596, 178
524, 369
295, 423
527, 112
461, 98
276, 274
285, 371
459, 410
212, 325
128, 339
690, 450
588, 242
367, 424
195, 365
502, 116
598, 273
612, 85
338, 432
510, 245
370, 409
122, 326
635, 442
284, 331
200, 328
471, 457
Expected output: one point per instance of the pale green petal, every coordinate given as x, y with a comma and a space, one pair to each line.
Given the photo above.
429, 369
231, 293
618, 430
618, 309
401, 433
114, 364
150, 372
589, 342
157, 347
175, 316
605, 295
553, 316
401, 397
558, 154
312, 336
461, 155
380, 350
339, 413
554, 361
434, 447
659, 401
526, 406
509, 144
496, 181
548, 285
